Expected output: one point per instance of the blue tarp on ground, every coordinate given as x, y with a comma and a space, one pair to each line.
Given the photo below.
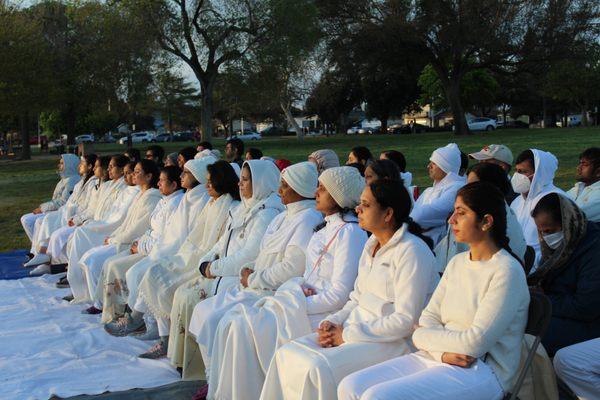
11, 265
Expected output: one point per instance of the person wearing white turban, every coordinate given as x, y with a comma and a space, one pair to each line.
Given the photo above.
282, 253
248, 335
324, 159
68, 170
434, 206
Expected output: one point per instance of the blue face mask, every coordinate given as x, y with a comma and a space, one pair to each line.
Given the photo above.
554, 240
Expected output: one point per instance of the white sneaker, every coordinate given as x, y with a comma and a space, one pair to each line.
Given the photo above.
41, 270
40, 258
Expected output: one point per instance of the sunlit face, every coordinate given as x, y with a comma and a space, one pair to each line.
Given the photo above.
370, 176
180, 161
472, 177
61, 165
435, 172
546, 224
325, 203
114, 172
466, 226
248, 156
229, 151
371, 216
245, 183
586, 172
169, 162
287, 194
382, 156
140, 177
83, 167
149, 155
188, 181
98, 171
352, 158
212, 192
129, 175
165, 186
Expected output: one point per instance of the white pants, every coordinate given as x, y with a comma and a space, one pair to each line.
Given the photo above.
57, 246
28, 222
578, 366
91, 263
417, 376
134, 276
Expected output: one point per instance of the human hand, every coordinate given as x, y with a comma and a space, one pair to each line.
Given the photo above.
330, 334
207, 272
71, 223
244, 276
106, 240
460, 360
37, 211
308, 291
134, 247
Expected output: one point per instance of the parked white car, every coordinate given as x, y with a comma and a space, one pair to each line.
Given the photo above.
353, 130
89, 138
248, 135
138, 137
482, 124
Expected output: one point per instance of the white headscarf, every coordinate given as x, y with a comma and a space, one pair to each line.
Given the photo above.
71, 166
303, 178
344, 184
265, 181
447, 158
198, 167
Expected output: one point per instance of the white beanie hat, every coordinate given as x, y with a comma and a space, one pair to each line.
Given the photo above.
303, 178
447, 158
207, 152
344, 184
197, 167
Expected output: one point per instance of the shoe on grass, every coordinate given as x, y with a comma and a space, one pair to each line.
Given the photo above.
124, 326
92, 311
38, 259
159, 350
40, 270
151, 332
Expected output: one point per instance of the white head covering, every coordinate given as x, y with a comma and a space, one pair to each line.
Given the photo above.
447, 158
71, 165
267, 158
208, 153
545, 166
344, 184
324, 159
265, 180
197, 167
303, 178
236, 168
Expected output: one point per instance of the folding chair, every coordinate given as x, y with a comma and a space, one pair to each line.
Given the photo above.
540, 313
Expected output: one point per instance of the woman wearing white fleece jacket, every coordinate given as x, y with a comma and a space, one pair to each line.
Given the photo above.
396, 277
470, 333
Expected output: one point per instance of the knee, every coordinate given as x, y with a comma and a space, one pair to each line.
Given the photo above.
350, 388
562, 363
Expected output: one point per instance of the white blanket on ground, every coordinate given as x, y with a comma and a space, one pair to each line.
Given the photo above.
50, 348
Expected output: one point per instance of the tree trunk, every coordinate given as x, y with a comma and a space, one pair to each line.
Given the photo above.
584, 115
24, 125
206, 111
70, 117
452, 90
287, 110
384, 123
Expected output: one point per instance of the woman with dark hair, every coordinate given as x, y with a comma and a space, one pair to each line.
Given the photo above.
360, 155
470, 334
155, 153
568, 272
493, 174
396, 278
55, 220
248, 335
133, 154
398, 158
186, 154
137, 221
381, 169
112, 292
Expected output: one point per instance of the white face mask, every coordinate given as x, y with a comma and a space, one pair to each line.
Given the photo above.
554, 240
520, 183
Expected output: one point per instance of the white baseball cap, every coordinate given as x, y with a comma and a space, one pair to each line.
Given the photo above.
494, 151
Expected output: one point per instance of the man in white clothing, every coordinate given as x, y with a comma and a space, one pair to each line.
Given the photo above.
500, 155
578, 366
586, 192
434, 206
533, 179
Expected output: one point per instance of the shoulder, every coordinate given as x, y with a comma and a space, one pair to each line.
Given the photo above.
352, 231
411, 244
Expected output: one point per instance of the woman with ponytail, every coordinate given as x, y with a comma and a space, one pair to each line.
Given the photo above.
469, 335
396, 278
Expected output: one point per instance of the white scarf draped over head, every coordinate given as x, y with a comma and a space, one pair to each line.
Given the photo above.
447, 158
197, 167
303, 178
71, 166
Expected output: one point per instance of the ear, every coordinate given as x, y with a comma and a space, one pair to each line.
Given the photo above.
487, 222
389, 215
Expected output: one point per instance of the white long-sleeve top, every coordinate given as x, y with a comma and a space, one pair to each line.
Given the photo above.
158, 220
137, 219
392, 288
435, 204
96, 198
333, 278
112, 212
587, 198
478, 309
283, 248
80, 198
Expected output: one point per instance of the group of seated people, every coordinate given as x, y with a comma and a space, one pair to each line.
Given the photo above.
312, 280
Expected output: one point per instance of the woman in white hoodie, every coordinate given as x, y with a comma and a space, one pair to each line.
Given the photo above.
469, 335
54, 220
282, 253
94, 233
112, 291
248, 335
396, 277
68, 167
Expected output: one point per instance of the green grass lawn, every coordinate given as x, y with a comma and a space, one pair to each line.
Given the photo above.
23, 185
